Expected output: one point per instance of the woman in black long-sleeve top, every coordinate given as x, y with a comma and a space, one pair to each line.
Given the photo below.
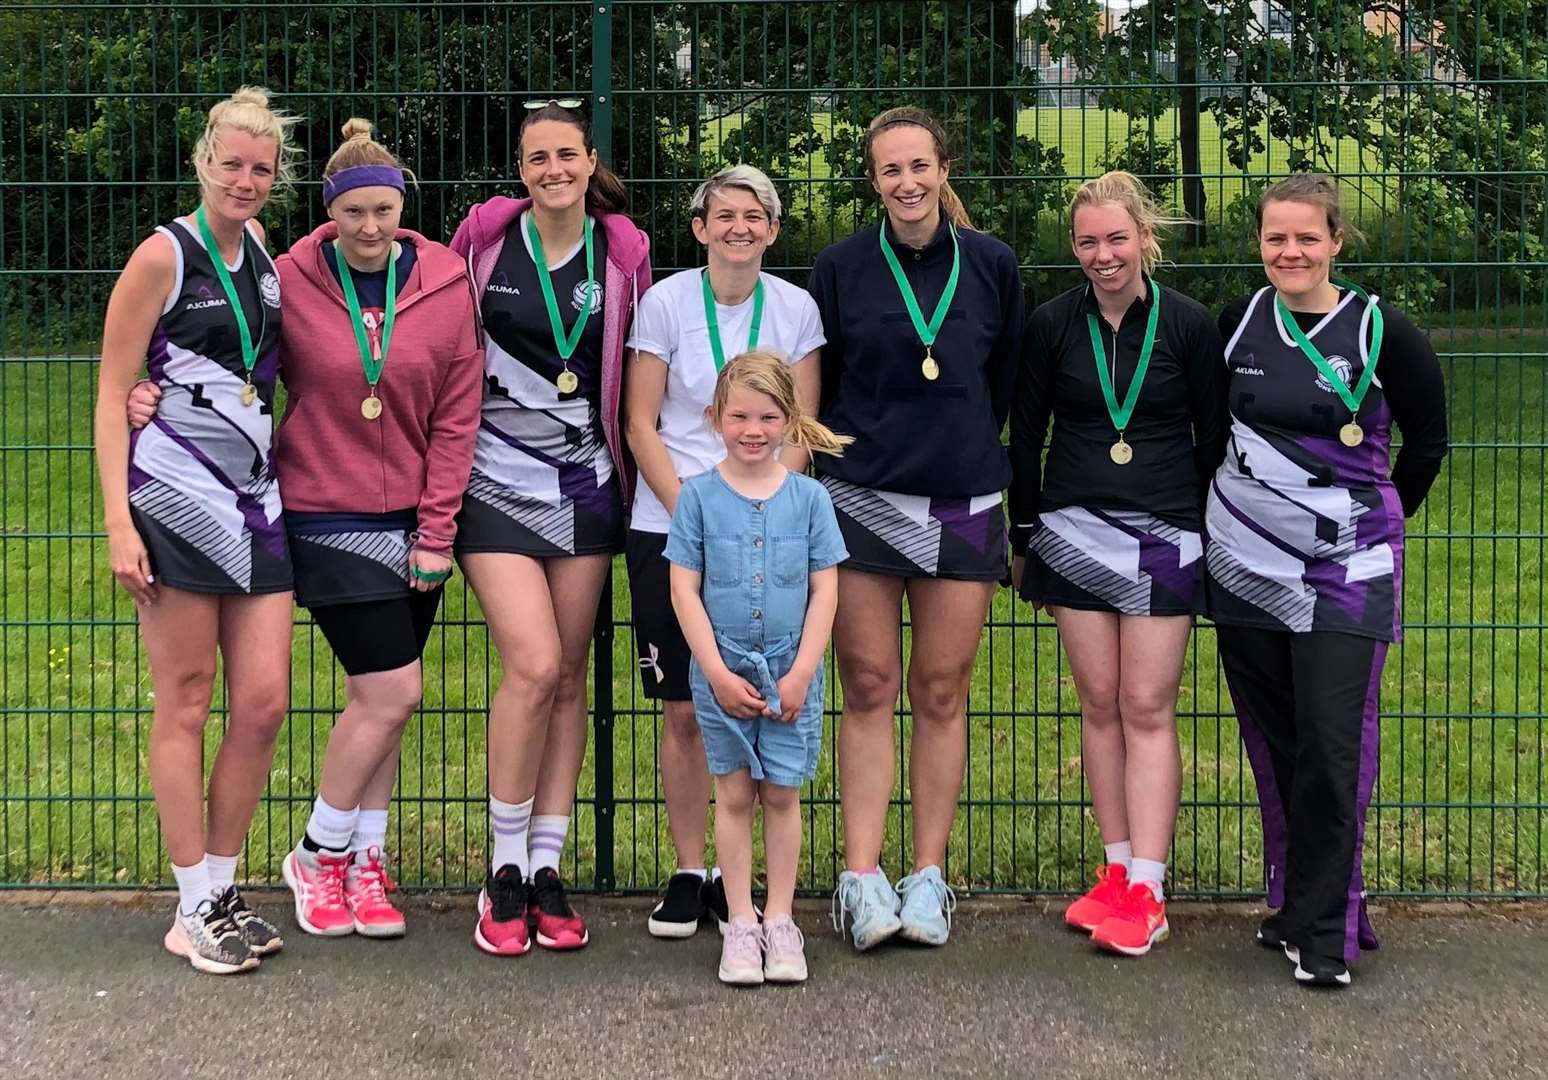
1131, 373
923, 320
1305, 556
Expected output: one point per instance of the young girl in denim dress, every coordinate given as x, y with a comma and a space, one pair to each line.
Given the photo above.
754, 550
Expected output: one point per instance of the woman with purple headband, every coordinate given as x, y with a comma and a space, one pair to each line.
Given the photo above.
381, 364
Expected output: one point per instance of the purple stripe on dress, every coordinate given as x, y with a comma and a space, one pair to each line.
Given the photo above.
1330, 581
156, 356
1276, 829
957, 516
138, 477
270, 535
1358, 932
576, 482
266, 370
1355, 466
1159, 559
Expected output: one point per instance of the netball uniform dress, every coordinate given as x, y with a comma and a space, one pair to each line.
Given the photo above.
1103, 536
202, 489
1305, 559
918, 494
671, 325
543, 481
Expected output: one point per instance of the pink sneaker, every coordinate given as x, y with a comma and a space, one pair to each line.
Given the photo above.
365, 891
741, 954
317, 879
784, 951
502, 914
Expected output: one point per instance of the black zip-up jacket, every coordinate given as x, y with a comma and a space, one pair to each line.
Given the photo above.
913, 436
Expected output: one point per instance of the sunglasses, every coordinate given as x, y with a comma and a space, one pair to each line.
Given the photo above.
563, 103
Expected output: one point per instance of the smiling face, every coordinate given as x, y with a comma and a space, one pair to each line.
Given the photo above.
1110, 245
735, 229
907, 173
555, 164
752, 425
241, 173
368, 220
1297, 247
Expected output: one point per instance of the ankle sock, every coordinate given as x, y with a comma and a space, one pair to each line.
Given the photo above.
508, 824
193, 886
546, 840
222, 870
1121, 853
370, 831
329, 828
1149, 872
699, 872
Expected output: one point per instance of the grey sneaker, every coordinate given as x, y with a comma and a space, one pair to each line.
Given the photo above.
210, 941
261, 936
868, 904
926, 908
784, 951
741, 954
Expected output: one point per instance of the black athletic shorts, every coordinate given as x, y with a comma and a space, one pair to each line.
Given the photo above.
663, 651
379, 635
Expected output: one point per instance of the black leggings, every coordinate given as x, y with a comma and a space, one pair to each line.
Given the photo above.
1307, 705
379, 635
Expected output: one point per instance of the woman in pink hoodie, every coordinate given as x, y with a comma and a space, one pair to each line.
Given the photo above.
557, 278
381, 363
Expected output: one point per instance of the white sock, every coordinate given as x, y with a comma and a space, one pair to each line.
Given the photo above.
331, 828
1149, 872
508, 824
698, 872
546, 840
193, 886
1121, 853
222, 872
370, 830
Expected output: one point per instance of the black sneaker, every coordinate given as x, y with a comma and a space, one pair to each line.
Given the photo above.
712, 895
678, 912
261, 936
1271, 932
1321, 971
550, 914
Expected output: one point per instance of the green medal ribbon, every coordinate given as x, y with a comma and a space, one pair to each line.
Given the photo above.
927, 331
371, 365
564, 343
1120, 414
1351, 397
249, 349
714, 323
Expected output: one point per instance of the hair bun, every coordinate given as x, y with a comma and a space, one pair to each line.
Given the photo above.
251, 95
356, 128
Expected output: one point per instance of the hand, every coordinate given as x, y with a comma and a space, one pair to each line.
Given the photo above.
142, 404
792, 695
131, 563
737, 696
1018, 568
437, 567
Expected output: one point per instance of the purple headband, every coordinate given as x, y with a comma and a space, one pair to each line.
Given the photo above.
362, 176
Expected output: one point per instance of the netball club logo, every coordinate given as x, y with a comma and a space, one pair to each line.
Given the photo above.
578, 297
268, 287
1341, 367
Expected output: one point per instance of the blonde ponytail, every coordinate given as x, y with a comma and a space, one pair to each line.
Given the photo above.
765, 372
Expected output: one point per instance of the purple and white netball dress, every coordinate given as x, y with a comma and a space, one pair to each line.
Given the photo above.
543, 482
202, 488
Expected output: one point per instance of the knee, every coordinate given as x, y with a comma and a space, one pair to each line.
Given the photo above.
259, 715
570, 678
778, 799
869, 687
391, 697
1147, 709
535, 672
1100, 705
183, 702
678, 723
735, 798
937, 697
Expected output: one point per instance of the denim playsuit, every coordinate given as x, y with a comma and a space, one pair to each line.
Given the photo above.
755, 556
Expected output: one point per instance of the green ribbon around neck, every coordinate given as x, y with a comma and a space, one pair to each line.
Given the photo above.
714, 323
372, 365
1120, 414
927, 331
1351, 396
564, 343
249, 347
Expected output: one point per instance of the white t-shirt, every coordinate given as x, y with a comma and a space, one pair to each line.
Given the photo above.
670, 324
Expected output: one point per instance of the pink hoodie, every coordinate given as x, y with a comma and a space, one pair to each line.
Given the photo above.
480, 239
419, 452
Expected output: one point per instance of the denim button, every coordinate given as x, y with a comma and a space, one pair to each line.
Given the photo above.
757, 613
757, 579
758, 506
757, 541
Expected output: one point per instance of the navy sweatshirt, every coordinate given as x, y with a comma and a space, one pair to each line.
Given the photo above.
913, 436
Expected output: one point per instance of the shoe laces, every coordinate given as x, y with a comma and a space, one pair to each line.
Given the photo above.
783, 936
217, 923
744, 943
507, 896
369, 877
331, 872
549, 896
851, 894
1132, 904
945, 898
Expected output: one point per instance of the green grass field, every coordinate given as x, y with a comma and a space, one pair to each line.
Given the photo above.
1460, 805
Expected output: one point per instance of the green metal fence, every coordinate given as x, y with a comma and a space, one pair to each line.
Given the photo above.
1432, 114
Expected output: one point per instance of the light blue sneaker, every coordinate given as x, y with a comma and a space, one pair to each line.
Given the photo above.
869, 904
927, 906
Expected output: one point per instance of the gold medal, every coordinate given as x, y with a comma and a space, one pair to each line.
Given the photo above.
931, 369
1351, 434
249, 394
567, 382
1121, 453
371, 407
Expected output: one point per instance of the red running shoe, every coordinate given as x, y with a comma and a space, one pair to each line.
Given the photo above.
1137, 923
1091, 910
550, 913
365, 891
501, 929
317, 879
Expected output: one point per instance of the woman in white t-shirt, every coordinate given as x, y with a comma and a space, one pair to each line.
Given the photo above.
687, 326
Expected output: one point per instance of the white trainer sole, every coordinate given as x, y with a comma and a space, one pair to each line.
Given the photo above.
291, 879
176, 942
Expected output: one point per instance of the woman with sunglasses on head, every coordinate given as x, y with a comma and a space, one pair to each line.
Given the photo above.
1305, 556
1129, 371
192, 512
687, 327
923, 318
557, 276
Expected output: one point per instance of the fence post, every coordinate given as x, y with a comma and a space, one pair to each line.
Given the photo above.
602, 637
